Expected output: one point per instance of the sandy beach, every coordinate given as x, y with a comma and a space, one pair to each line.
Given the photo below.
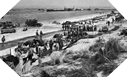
73, 54
47, 27
79, 38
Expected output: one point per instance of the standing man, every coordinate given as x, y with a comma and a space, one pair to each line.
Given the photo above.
108, 22
3, 40
41, 34
37, 34
50, 45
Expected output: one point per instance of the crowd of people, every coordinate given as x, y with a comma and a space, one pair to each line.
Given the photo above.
39, 47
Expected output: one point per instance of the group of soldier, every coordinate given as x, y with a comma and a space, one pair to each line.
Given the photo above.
38, 47
90, 28
3, 39
37, 33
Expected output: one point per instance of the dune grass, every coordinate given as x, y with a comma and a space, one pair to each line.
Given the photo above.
106, 53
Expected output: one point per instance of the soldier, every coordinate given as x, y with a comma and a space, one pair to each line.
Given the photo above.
50, 44
113, 20
63, 27
84, 28
3, 40
65, 33
108, 22
41, 33
37, 34
91, 28
37, 49
87, 27
60, 42
30, 55
95, 28
40, 52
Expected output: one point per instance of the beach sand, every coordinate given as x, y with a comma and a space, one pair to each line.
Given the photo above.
47, 27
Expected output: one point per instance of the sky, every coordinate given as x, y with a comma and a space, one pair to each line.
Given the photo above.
62, 3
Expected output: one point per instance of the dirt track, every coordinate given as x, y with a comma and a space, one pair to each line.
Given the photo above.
15, 42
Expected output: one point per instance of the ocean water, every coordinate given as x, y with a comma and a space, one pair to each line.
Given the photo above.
20, 15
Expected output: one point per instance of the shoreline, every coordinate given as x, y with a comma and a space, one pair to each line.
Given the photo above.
48, 17
77, 18
52, 27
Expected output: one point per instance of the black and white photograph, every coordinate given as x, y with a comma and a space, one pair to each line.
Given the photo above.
63, 38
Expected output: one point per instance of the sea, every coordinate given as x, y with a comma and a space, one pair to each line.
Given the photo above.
20, 15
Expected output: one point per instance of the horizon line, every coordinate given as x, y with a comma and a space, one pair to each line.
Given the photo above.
20, 7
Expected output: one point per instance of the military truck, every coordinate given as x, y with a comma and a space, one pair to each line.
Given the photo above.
104, 29
9, 30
